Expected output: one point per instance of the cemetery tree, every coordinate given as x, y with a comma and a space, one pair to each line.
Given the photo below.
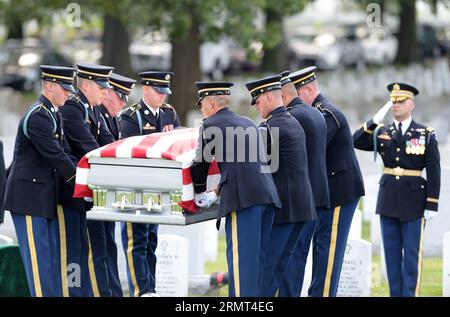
276, 52
407, 38
188, 24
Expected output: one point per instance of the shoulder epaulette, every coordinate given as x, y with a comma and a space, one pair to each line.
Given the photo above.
430, 129
133, 108
74, 96
36, 108
167, 106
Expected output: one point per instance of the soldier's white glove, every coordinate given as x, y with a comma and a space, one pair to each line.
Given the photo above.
429, 214
379, 116
205, 199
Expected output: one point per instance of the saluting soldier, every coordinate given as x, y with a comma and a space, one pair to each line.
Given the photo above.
85, 132
150, 115
248, 195
112, 105
345, 185
314, 126
290, 175
40, 161
405, 199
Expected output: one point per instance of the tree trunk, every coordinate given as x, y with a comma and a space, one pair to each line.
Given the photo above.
407, 40
14, 26
116, 41
186, 68
275, 58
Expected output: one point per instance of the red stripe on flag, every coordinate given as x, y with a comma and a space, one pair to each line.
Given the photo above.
213, 168
187, 178
84, 163
189, 205
140, 150
82, 191
179, 148
110, 149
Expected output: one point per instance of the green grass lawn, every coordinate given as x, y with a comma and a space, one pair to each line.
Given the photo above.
431, 272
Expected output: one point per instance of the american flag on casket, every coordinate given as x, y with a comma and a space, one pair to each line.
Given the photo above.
178, 145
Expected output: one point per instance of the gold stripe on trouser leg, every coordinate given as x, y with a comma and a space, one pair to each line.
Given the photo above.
234, 239
33, 255
63, 250
92, 269
419, 262
332, 250
130, 259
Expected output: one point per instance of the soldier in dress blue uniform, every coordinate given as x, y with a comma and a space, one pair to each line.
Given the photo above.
345, 186
314, 126
248, 195
148, 116
286, 144
110, 108
405, 199
85, 132
40, 161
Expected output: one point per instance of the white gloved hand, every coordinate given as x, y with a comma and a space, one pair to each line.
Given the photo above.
205, 199
429, 214
379, 116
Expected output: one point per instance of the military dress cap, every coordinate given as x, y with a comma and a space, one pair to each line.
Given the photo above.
122, 85
214, 88
401, 92
160, 81
304, 76
263, 85
59, 74
285, 77
98, 73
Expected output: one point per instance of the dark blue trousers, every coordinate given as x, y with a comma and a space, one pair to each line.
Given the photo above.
248, 236
103, 259
74, 251
329, 244
139, 243
403, 241
282, 243
293, 281
38, 240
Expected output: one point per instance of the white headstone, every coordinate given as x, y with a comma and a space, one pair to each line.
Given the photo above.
198, 244
446, 266
356, 277
356, 226
369, 200
211, 241
172, 266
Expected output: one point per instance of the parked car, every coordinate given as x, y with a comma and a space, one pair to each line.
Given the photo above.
153, 51
427, 40
380, 46
19, 64
328, 49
